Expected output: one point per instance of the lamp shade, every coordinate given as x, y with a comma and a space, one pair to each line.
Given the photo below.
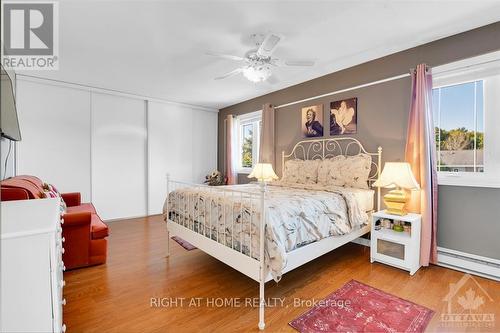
397, 174
263, 172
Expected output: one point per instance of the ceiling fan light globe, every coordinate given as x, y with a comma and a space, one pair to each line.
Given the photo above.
255, 74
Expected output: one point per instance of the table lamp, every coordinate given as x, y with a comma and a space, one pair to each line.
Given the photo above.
263, 172
397, 175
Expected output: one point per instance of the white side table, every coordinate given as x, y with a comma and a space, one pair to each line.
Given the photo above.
400, 249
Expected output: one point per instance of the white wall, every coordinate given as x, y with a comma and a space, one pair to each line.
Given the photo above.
183, 143
169, 149
114, 148
204, 144
55, 145
118, 156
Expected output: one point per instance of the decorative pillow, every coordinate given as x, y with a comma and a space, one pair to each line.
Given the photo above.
291, 173
50, 191
331, 166
308, 172
356, 170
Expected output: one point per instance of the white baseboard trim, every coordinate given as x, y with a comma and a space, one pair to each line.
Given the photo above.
469, 263
362, 241
125, 218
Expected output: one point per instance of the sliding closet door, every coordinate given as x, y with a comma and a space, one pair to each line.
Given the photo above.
205, 144
118, 156
170, 139
55, 129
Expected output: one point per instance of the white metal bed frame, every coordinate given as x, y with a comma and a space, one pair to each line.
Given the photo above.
245, 263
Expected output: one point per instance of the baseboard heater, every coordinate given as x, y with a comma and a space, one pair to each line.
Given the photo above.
469, 263
461, 261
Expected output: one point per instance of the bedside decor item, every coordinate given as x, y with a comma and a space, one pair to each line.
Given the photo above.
397, 175
368, 310
215, 179
312, 121
263, 172
398, 227
344, 116
386, 224
393, 246
407, 227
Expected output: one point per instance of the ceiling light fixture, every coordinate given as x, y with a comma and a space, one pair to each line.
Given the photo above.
257, 64
257, 74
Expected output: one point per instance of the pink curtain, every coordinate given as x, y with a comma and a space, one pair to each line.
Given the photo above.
230, 151
421, 154
266, 149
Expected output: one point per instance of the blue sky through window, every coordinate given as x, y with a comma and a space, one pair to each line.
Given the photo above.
247, 131
457, 106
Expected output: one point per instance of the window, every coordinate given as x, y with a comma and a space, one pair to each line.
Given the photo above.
248, 140
458, 122
466, 106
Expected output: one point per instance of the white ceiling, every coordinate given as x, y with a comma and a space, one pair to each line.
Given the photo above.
157, 48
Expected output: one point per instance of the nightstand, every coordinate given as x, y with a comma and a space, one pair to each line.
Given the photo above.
400, 249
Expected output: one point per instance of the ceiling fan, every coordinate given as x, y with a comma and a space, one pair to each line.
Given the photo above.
257, 65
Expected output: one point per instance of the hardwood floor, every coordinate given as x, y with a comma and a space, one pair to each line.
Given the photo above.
116, 297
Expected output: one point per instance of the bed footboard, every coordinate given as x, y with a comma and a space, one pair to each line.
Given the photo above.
211, 226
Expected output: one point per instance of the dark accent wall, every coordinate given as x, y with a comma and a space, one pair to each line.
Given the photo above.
468, 220
382, 120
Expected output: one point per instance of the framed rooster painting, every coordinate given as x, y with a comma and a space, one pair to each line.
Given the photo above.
344, 116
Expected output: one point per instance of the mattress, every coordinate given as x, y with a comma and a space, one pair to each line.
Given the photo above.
365, 198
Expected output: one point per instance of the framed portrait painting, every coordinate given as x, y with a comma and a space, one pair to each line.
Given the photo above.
312, 121
344, 116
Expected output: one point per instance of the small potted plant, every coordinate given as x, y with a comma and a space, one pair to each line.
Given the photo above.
398, 226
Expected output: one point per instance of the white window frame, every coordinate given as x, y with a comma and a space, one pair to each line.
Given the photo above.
482, 68
253, 118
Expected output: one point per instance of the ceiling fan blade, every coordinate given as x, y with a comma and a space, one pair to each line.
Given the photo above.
299, 63
225, 56
268, 45
231, 73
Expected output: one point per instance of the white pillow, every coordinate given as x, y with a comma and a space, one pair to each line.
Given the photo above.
292, 171
329, 171
308, 172
300, 171
356, 170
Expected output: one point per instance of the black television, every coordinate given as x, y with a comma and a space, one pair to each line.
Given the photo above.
9, 124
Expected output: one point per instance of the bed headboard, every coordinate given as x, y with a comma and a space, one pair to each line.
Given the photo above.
319, 149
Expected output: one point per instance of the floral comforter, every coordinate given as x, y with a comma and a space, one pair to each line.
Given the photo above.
296, 215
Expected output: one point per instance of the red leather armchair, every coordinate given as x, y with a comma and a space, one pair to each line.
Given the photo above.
83, 230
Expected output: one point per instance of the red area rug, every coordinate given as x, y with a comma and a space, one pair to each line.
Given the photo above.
185, 244
357, 307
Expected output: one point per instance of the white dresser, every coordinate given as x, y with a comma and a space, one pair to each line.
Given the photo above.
31, 266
